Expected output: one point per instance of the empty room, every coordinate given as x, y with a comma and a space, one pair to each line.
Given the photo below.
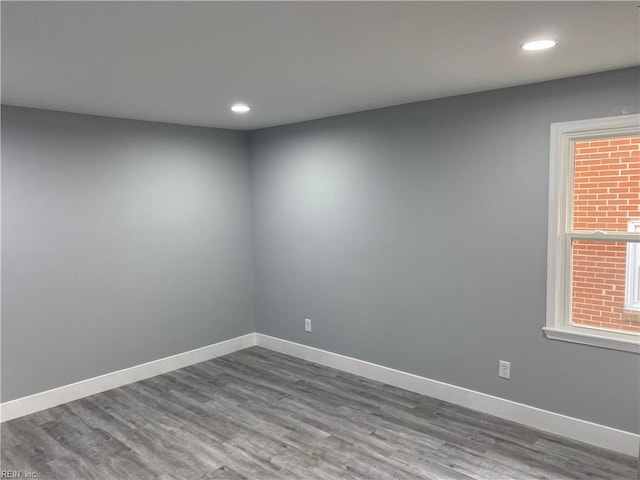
320, 240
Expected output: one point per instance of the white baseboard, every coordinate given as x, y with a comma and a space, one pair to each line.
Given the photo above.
68, 393
574, 428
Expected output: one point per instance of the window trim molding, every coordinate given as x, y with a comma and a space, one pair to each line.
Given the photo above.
632, 284
563, 134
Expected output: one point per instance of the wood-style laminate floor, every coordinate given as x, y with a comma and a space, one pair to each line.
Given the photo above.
257, 414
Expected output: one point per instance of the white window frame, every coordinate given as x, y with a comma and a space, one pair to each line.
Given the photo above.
561, 236
632, 284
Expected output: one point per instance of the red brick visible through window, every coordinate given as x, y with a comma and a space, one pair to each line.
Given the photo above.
606, 195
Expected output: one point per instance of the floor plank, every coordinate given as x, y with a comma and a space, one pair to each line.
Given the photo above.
257, 414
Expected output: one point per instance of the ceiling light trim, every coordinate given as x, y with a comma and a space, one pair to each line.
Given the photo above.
538, 45
240, 107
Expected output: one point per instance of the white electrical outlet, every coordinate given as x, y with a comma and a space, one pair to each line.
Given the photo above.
504, 369
307, 324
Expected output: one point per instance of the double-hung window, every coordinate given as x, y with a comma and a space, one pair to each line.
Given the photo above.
593, 277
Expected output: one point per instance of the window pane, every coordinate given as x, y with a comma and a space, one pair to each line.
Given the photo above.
598, 286
606, 189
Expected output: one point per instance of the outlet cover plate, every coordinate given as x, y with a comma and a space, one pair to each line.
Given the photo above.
504, 369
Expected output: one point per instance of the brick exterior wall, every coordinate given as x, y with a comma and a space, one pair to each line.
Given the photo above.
606, 195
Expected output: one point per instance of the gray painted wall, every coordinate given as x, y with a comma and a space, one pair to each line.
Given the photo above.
123, 242
415, 237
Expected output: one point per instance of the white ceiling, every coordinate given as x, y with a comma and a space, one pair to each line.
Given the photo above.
187, 62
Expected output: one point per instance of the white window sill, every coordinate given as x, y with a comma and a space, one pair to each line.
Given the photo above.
603, 339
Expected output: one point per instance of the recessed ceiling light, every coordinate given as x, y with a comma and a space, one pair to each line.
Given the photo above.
240, 108
539, 45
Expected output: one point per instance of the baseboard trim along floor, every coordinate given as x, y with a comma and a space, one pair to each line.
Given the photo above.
573, 428
85, 388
